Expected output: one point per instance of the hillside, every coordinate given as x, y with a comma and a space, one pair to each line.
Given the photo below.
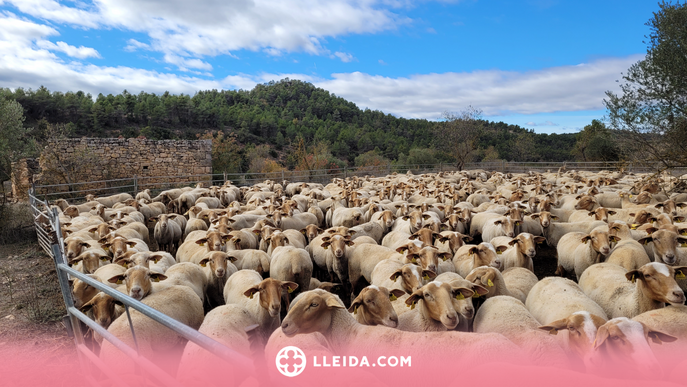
275, 114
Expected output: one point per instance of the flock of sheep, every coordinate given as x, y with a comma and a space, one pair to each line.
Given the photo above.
446, 259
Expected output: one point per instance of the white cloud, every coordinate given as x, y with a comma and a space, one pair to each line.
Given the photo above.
80, 52
26, 60
133, 45
218, 27
545, 123
345, 57
564, 88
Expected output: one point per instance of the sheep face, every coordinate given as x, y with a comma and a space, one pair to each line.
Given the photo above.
310, 312
455, 240
102, 308
374, 306
438, 301
623, 341
585, 203
218, 262
411, 276
665, 245
427, 257
83, 292
485, 254
425, 235
657, 281
582, 327
214, 241
269, 293
74, 247
507, 225
91, 261
138, 281
337, 244
387, 218
118, 246
600, 241
527, 244
311, 231
277, 239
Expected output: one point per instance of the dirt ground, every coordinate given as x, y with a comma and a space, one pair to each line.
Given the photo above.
31, 304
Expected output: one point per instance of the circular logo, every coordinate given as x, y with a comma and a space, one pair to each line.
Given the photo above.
290, 361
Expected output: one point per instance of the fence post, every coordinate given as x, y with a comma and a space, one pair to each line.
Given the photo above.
345, 173
503, 166
225, 178
135, 185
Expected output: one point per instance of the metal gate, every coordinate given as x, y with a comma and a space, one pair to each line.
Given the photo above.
50, 238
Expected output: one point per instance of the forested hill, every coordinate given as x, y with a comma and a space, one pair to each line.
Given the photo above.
276, 114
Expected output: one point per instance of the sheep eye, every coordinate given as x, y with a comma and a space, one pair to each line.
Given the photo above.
314, 305
615, 338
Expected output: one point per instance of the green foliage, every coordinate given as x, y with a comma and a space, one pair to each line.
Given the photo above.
419, 156
274, 114
14, 142
650, 112
371, 159
595, 143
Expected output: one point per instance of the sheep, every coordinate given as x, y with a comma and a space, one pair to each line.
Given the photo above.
363, 260
373, 229
451, 241
220, 268
469, 257
118, 246
515, 282
291, 264
463, 305
110, 201
387, 272
574, 253
83, 292
194, 223
232, 326
347, 217
90, 260
560, 304
600, 213
311, 232
373, 306
139, 282
198, 243
153, 340
190, 275
167, 233
653, 285
628, 253
621, 349
435, 311
522, 251
326, 314
501, 226
479, 220
555, 231
335, 256
509, 317
260, 297
161, 261
257, 260
103, 309
664, 246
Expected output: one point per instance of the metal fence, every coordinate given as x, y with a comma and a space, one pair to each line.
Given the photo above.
50, 238
77, 191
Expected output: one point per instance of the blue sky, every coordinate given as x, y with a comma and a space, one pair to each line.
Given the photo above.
541, 64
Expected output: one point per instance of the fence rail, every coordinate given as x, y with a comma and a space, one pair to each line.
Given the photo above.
46, 221
77, 191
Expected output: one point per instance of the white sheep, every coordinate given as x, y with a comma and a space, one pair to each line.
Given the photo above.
521, 252
509, 317
577, 251
292, 264
651, 287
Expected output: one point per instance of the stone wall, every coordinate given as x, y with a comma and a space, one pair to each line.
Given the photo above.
74, 161
23, 172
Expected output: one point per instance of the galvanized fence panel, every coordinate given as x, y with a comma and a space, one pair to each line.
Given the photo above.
50, 238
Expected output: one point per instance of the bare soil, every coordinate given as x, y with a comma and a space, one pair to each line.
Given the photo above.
31, 304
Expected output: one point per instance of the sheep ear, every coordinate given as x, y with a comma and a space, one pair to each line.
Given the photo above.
479, 289
500, 249
513, 242
395, 275
461, 293
601, 336
473, 250
586, 238
394, 294
289, 286
612, 212
202, 241
250, 292
555, 326
534, 216
412, 300
428, 275
646, 240
614, 238
204, 262
155, 258
131, 244
118, 279
332, 302
157, 277
445, 256
634, 275
412, 257
356, 303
